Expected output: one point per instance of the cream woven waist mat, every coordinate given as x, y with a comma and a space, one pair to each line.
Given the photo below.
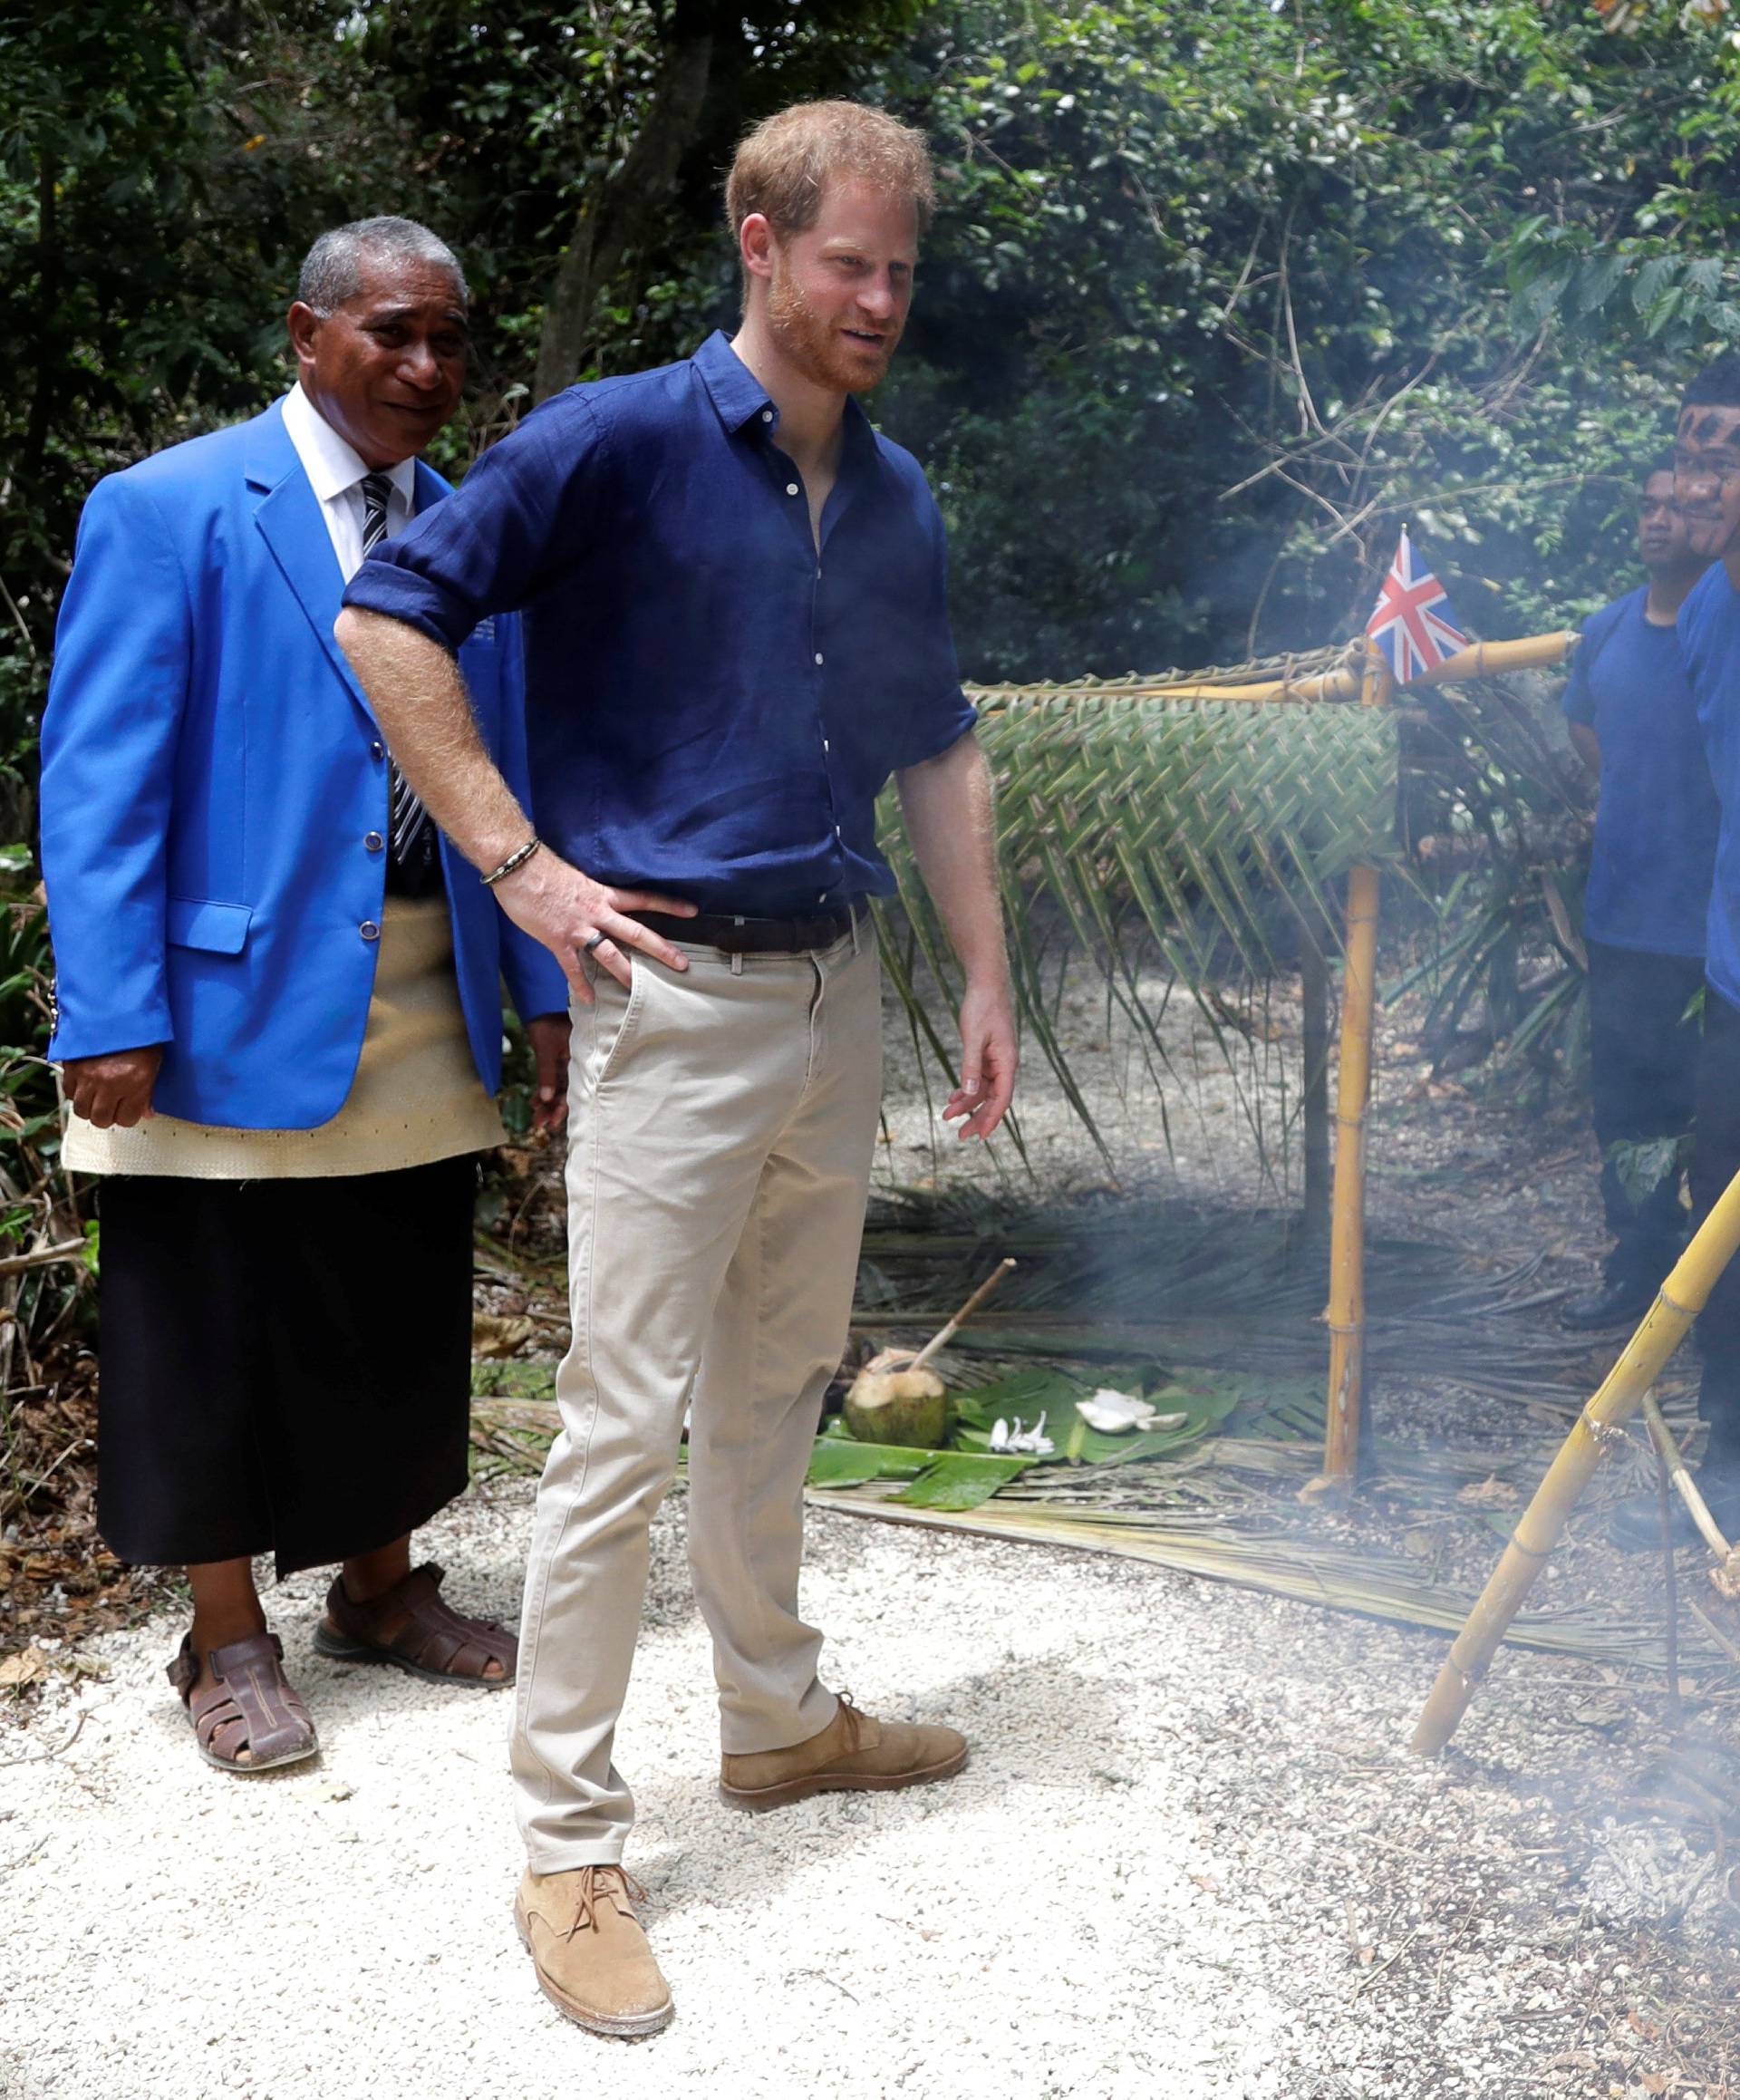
416, 1096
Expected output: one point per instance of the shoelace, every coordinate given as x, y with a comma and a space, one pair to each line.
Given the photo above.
594, 1891
856, 1718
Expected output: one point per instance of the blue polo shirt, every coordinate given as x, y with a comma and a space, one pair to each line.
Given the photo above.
711, 706
1650, 872
1709, 641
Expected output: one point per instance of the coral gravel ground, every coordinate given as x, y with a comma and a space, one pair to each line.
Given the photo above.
1191, 1853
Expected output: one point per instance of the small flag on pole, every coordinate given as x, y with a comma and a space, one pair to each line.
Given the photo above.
1412, 622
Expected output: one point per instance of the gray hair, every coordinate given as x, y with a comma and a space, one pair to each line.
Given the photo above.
331, 270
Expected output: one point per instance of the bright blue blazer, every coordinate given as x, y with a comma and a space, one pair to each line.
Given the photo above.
211, 781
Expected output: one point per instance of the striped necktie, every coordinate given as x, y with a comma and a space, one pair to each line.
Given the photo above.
408, 820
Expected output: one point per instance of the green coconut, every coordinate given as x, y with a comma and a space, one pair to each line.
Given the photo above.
888, 1404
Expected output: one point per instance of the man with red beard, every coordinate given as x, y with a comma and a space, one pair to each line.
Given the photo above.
736, 629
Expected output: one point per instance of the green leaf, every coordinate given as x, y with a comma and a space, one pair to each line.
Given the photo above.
840, 1462
961, 1479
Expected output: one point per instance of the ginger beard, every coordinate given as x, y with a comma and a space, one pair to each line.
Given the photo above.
820, 347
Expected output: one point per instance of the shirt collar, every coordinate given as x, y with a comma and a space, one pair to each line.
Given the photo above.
740, 398
331, 462
737, 394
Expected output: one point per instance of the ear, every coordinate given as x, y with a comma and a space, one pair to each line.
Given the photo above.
304, 324
755, 240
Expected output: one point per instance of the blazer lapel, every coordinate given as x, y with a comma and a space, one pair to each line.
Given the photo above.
290, 521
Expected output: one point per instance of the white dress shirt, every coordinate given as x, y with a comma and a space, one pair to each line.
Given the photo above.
335, 473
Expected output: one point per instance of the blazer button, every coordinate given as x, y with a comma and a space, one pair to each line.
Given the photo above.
369, 930
373, 841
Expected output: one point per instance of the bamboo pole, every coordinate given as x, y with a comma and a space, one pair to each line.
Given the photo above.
1342, 682
1333, 685
1726, 1574
1346, 1313
1677, 1303
1493, 659
1314, 1003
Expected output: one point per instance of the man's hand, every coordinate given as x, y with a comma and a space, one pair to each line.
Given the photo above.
425, 714
115, 1088
988, 1060
557, 905
548, 1035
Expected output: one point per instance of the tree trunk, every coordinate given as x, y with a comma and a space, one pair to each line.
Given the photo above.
627, 206
48, 296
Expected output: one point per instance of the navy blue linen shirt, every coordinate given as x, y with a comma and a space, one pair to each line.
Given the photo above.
711, 707
1655, 825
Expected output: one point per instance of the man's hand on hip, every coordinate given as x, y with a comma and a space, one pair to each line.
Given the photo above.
115, 1088
988, 1060
575, 917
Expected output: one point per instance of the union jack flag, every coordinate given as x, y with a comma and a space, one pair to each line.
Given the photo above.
1412, 622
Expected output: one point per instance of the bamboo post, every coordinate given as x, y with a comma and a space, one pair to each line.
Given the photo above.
1346, 1314
1677, 1303
1314, 1003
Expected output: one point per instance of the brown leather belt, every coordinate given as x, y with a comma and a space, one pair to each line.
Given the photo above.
734, 936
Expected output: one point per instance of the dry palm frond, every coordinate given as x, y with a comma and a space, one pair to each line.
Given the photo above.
1313, 1573
1179, 1283
1197, 829
1190, 813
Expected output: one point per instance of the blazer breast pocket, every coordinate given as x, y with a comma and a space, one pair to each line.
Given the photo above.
200, 923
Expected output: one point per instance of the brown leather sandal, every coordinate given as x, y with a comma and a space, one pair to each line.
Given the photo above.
408, 1627
250, 1718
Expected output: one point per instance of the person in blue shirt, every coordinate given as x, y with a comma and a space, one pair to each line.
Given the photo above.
1635, 724
1706, 459
737, 629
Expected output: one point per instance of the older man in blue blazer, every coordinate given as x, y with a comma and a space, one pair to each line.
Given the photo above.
280, 1011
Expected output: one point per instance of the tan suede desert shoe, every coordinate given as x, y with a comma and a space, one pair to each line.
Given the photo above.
856, 1753
592, 1959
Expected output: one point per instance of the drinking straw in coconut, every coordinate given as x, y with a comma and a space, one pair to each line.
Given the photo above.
944, 1335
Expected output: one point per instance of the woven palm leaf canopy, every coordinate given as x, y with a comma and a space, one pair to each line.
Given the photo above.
1206, 801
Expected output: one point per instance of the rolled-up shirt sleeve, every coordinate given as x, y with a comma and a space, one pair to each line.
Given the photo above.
940, 714
525, 511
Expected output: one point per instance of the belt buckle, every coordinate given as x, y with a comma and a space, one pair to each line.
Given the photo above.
733, 939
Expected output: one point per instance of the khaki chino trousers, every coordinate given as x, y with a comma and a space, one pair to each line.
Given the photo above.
723, 1121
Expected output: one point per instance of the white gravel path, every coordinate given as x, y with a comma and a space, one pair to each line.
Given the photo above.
1187, 1806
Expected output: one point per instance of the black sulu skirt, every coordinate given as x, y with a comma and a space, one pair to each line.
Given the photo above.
285, 1363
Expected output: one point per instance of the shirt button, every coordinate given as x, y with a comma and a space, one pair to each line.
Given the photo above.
377, 750
823, 898
837, 831
818, 656
791, 488
826, 745
767, 415
369, 930
373, 841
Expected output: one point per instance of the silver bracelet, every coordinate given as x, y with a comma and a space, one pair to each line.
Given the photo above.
513, 861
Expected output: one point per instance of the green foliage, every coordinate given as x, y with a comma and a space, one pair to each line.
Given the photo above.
1222, 296
146, 239
1218, 297
934, 1479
